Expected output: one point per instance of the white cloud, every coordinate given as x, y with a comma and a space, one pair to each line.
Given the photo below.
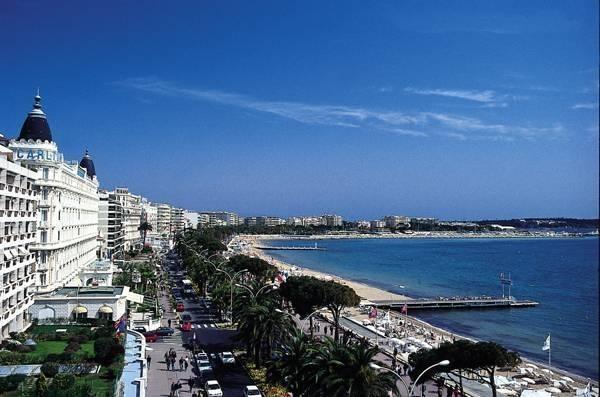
592, 105
415, 124
486, 96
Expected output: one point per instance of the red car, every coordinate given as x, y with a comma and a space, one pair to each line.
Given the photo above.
151, 337
186, 326
180, 307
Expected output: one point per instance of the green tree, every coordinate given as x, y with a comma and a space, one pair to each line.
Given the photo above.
145, 227
337, 297
107, 350
292, 358
262, 270
305, 295
339, 369
41, 386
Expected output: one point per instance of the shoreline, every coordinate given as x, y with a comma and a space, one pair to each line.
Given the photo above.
419, 235
370, 292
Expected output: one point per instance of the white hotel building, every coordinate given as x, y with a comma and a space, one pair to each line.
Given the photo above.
67, 218
18, 202
132, 217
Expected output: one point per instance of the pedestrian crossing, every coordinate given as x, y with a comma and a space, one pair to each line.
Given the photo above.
198, 326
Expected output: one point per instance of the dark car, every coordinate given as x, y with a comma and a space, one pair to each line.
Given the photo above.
164, 331
150, 336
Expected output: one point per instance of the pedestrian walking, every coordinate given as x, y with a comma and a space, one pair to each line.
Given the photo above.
172, 363
186, 365
181, 360
194, 394
168, 361
191, 383
149, 360
169, 322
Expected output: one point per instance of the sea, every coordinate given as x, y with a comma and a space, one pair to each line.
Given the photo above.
559, 273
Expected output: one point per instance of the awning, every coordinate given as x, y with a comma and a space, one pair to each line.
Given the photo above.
23, 251
105, 309
80, 309
14, 252
8, 255
135, 298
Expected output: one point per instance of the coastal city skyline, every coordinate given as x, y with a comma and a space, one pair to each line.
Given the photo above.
418, 132
301, 199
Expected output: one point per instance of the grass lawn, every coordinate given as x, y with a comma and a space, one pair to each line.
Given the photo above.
44, 348
101, 387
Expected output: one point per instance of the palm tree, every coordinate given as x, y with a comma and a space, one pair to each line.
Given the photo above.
145, 227
288, 368
260, 326
343, 370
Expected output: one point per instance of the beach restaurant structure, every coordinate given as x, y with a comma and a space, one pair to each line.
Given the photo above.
106, 302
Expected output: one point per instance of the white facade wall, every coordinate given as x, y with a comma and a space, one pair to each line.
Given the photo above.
163, 219
67, 215
191, 219
132, 218
18, 205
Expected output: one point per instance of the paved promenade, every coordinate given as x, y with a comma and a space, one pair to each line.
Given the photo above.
159, 378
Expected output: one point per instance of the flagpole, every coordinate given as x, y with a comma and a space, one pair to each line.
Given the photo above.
550, 352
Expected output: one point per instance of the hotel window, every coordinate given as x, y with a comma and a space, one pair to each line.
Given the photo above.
44, 194
44, 215
45, 173
44, 236
42, 279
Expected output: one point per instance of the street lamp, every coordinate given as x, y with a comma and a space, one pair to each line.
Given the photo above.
231, 278
443, 363
379, 367
303, 322
254, 295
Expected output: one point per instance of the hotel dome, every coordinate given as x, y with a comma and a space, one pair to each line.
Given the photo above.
36, 126
88, 164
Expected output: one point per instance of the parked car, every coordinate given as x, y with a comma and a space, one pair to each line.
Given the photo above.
140, 329
186, 326
164, 331
227, 358
180, 307
251, 391
213, 389
151, 337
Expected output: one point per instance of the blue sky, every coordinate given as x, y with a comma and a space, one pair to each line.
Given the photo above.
460, 110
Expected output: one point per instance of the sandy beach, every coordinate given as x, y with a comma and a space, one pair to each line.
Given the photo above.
417, 328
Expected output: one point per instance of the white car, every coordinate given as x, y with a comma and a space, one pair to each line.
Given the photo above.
251, 391
213, 389
202, 358
227, 358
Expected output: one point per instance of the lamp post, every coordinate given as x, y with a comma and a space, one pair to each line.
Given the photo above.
254, 295
302, 322
379, 367
443, 363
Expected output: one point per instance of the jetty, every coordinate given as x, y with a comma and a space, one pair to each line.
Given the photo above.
454, 303
291, 248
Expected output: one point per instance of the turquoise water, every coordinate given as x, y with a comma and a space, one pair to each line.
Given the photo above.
561, 274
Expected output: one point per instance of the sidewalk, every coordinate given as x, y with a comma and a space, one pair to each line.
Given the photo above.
159, 378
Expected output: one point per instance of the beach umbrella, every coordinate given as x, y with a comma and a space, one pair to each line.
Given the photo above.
532, 365
546, 370
507, 392
553, 390
567, 379
529, 380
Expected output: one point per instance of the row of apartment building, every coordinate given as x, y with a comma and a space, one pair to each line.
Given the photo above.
56, 223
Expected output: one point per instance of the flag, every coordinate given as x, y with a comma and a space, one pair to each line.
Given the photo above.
121, 324
404, 309
373, 312
546, 344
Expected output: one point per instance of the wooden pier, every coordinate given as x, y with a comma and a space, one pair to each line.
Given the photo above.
454, 303
291, 248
